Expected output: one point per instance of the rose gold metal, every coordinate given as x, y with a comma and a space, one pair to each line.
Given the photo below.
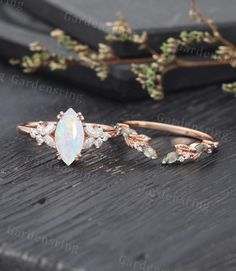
183, 149
59, 116
26, 127
183, 152
81, 117
140, 142
171, 129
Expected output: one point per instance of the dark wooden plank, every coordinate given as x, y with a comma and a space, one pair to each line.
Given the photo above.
86, 20
18, 29
115, 208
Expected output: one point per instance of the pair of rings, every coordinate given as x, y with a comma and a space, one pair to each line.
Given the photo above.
70, 136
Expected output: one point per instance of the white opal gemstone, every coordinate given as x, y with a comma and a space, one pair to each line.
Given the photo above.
69, 136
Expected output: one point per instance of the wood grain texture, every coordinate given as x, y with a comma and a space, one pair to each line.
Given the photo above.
115, 210
161, 19
18, 29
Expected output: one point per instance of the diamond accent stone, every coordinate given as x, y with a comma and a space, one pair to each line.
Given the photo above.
96, 136
89, 143
39, 139
182, 159
69, 136
99, 132
41, 129
42, 134
33, 133
50, 128
98, 143
90, 131
49, 141
105, 138
209, 151
185, 156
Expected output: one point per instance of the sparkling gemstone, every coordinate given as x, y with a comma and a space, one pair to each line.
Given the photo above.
33, 133
98, 143
126, 132
89, 143
149, 152
41, 129
50, 128
181, 159
171, 158
69, 136
201, 147
105, 137
90, 130
185, 156
39, 139
140, 149
137, 145
99, 132
49, 141
216, 145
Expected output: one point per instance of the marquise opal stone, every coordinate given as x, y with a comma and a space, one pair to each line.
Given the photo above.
69, 136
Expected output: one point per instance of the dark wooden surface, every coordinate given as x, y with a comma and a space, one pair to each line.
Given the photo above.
114, 206
160, 19
18, 29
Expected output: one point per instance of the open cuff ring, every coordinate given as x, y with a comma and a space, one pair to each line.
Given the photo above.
70, 136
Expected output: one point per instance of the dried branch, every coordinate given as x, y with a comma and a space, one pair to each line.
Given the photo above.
149, 71
196, 15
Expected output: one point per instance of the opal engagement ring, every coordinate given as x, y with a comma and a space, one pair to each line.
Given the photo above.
70, 136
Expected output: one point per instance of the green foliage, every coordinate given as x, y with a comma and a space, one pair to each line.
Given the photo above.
230, 88
150, 74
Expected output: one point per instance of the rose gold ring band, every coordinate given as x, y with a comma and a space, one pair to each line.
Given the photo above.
175, 129
206, 143
27, 126
179, 130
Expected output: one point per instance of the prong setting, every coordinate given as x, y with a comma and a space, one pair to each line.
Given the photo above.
80, 116
78, 157
60, 115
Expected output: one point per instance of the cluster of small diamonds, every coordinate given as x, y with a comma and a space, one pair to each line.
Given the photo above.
95, 136
43, 134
